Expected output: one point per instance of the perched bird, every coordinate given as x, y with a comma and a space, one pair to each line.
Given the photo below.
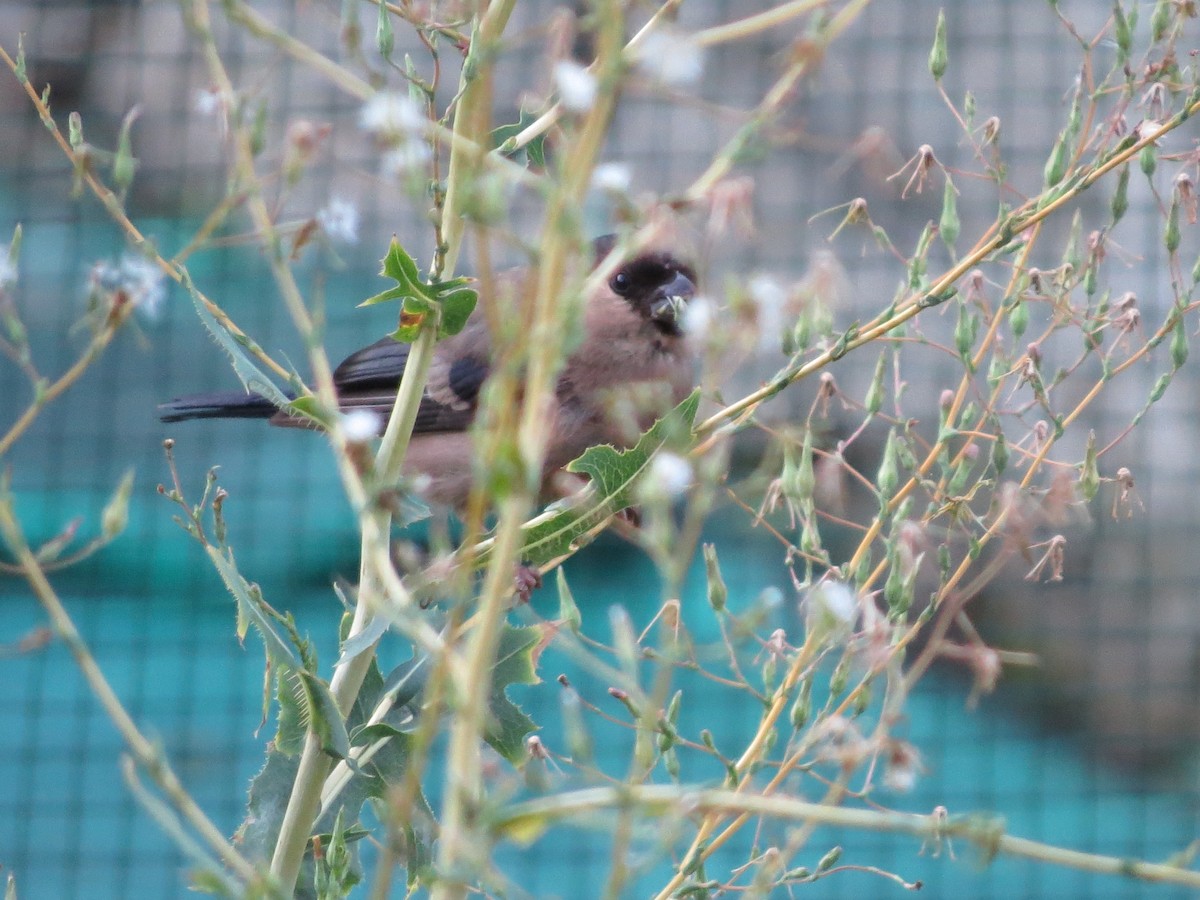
632, 342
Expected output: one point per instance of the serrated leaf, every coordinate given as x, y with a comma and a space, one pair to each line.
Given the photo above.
396, 293
324, 718
450, 300
290, 727
272, 786
516, 663
309, 408
563, 527
251, 376
402, 268
534, 152
364, 640
403, 684
249, 607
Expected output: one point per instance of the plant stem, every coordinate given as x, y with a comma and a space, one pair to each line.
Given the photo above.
658, 800
148, 756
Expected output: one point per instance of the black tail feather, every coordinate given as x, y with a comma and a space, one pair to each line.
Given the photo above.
217, 405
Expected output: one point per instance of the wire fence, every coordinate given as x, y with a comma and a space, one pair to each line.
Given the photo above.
1094, 748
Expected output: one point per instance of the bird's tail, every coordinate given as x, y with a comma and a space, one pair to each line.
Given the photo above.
217, 405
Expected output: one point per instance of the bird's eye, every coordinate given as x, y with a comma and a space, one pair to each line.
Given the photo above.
621, 283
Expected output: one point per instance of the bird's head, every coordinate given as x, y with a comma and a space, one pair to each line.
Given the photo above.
655, 283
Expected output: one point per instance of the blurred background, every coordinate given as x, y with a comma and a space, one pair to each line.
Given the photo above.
1095, 749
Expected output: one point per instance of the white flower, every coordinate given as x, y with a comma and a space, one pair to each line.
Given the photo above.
612, 177
769, 298
8, 272
361, 425
391, 114
672, 57
670, 473
830, 609
1147, 128
208, 102
405, 158
576, 86
339, 220
698, 318
141, 280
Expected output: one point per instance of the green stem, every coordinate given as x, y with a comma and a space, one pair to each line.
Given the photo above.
534, 816
144, 751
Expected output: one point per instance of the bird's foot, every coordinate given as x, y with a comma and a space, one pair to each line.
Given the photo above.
527, 580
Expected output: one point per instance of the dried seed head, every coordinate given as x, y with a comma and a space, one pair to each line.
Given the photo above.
975, 285
1148, 128
731, 207
991, 130
535, 748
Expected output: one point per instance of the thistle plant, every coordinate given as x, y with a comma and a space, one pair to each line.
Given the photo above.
892, 504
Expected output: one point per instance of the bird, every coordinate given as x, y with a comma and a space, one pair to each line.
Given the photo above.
633, 343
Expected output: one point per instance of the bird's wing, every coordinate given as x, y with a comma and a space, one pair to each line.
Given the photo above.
369, 378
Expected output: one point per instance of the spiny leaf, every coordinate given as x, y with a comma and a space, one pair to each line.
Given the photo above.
451, 301
516, 663
250, 607
251, 376
534, 152
562, 527
271, 788
324, 717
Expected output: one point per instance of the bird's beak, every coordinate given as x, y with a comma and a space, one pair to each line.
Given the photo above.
668, 302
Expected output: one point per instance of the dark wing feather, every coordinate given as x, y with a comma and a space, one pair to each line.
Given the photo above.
369, 378
379, 365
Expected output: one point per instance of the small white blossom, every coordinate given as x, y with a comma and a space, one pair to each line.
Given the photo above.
614, 178
391, 114
576, 86
1147, 128
138, 278
208, 102
903, 767
670, 473
8, 272
672, 57
339, 220
405, 159
770, 298
830, 608
361, 425
698, 318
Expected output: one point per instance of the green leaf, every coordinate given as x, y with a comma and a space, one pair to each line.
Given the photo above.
271, 788
457, 306
290, 729
568, 611
324, 718
250, 605
516, 663
402, 269
451, 301
396, 293
563, 527
252, 378
533, 153
412, 317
